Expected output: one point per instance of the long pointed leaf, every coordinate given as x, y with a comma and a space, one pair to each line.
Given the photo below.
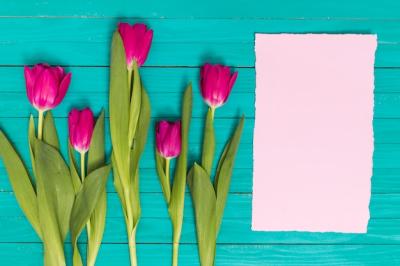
224, 171
55, 199
204, 201
49, 131
20, 182
96, 158
31, 143
135, 103
85, 203
119, 106
177, 201
164, 181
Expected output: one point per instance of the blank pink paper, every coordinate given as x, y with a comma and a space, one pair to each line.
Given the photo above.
313, 139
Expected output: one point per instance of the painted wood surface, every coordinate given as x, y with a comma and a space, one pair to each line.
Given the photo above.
76, 34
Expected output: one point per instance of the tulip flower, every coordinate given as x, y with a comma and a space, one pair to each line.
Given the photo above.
216, 84
168, 139
137, 41
46, 87
80, 125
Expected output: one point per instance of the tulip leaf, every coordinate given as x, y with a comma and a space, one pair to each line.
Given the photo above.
55, 199
57, 185
76, 180
85, 203
49, 131
119, 105
135, 102
178, 189
31, 142
165, 182
96, 158
208, 143
141, 135
96, 154
224, 171
204, 201
20, 182
118, 184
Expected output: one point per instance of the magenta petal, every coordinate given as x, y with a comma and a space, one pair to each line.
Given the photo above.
63, 89
73, 119
45, 90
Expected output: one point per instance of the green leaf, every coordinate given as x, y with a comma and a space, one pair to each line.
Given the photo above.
96, 158
135, 103
141, 137
208, 143
76, 180
119, 106
224, 171
85, 203
31, 142
49, 131
177, 201
55, 199
165, 182
20, 182
204, 201
96, 154
118, 184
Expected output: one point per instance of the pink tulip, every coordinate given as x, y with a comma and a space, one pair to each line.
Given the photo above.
80, 124
216, 84
46, 86
168, 139
137, 41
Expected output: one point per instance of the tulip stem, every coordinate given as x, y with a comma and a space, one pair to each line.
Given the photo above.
40, 126
212, 112
167, 163
83, 179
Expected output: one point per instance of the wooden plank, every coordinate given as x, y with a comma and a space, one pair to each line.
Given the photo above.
87, 80
382, 206
30, 254
192, 42
233, 231
163, 104
387, 105
370, 9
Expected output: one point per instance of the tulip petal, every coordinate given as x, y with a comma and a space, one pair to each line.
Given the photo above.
30, 82
45, 90
63, 89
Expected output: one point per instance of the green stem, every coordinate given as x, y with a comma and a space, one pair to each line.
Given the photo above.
83, 166
175, 254
167, 164
131, 242
40, 126
212, 112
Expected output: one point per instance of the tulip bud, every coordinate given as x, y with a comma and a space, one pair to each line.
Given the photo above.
216, 84
137, 41
80, 124
46, 86
168, 139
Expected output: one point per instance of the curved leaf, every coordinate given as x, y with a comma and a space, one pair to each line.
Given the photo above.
96, 158
165, 182
49, 131
55, 199
31, 143
85, 203
135, 103
224, 171
119, 105
204, 202
177, 201
20, 182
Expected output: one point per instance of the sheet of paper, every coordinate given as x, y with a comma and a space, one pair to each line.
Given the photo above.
313, 139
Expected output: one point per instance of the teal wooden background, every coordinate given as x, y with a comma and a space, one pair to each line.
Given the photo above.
77, 34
